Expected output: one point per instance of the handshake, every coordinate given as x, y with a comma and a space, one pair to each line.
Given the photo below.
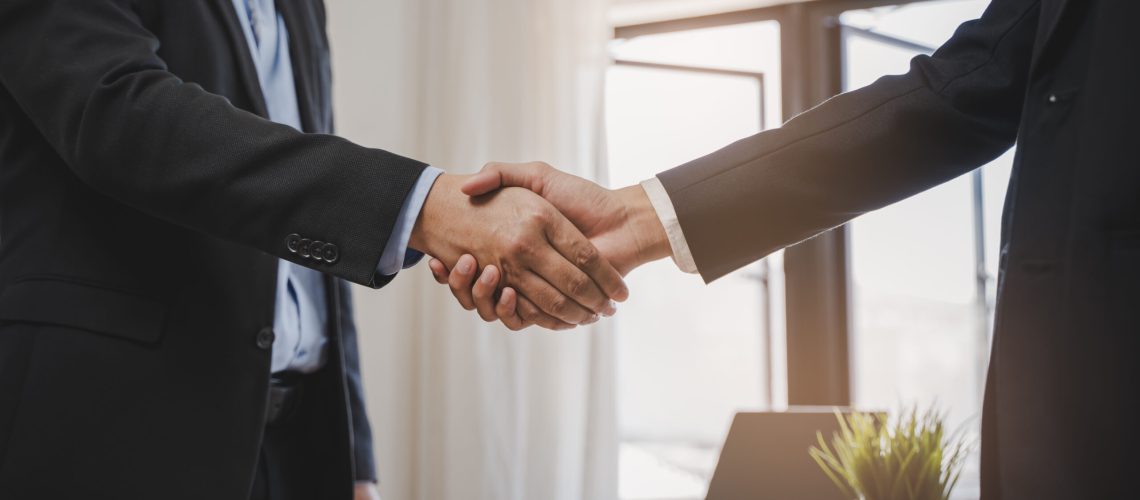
527, 244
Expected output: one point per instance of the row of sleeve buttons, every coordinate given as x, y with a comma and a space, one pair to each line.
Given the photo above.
312, 249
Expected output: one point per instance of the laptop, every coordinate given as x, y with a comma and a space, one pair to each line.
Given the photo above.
765, 456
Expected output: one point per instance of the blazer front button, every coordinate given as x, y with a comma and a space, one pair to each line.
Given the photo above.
265, 339
303, 249
293, 242
331, 253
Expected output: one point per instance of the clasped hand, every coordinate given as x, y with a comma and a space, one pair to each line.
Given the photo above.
552, 248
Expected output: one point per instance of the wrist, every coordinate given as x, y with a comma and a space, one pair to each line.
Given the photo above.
644, 225
425, 237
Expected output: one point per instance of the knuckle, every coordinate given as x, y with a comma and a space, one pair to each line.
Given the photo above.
587, 257
579, 286
559, 305
516, 247
539, 216
520, 245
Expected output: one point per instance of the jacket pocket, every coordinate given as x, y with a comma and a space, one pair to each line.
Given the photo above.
83, 306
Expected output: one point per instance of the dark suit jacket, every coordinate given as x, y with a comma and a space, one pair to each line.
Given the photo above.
1061, 79
144, 202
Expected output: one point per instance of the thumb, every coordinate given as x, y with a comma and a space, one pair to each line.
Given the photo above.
528, 176
484, 182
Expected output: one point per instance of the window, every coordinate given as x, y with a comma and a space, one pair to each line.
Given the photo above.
689, 355
896, 308
923, 269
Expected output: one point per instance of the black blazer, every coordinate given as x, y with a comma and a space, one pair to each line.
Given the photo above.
1060, 78
144, 202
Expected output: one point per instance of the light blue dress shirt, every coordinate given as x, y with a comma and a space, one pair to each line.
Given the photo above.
301, 316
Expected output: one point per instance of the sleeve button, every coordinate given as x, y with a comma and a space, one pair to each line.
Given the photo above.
303, 249
293, 242
316, 249
330, 253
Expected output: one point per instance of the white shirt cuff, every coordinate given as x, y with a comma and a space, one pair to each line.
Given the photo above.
668, 215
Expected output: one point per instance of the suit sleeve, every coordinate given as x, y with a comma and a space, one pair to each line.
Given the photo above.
951, 113
365, 462
88, 75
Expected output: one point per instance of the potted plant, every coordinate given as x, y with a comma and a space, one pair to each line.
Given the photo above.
872, 457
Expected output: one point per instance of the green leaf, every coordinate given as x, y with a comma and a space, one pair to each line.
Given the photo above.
872, 457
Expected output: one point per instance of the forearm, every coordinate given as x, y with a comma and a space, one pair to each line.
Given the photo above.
858, 152
87, 75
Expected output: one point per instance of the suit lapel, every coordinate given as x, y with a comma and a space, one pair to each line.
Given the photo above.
246, 70
300, 53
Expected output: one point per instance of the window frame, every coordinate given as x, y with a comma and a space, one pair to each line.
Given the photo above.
817, 272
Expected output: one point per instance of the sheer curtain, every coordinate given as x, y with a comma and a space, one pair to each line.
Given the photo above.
460, 409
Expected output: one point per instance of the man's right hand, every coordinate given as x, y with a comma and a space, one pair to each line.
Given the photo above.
561, 278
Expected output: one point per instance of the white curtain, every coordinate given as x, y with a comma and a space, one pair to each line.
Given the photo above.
462, 410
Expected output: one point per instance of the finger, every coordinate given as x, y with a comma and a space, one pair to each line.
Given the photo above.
507, 310
532, 314
461, 280
482, 183
483, 293
438, 270
605, 281
530, 176
548, 298
508, 303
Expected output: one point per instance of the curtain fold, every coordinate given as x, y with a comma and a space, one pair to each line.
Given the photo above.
460, 409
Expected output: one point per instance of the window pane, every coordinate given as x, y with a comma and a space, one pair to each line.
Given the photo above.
689, 355
927, 23
921, 332
752, 47
658, 119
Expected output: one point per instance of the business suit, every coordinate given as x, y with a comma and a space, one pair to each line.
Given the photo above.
1058, 77
144, 204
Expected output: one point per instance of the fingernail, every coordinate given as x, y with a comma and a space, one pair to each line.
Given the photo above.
465, 267
487, 278
610, 309
593, 319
